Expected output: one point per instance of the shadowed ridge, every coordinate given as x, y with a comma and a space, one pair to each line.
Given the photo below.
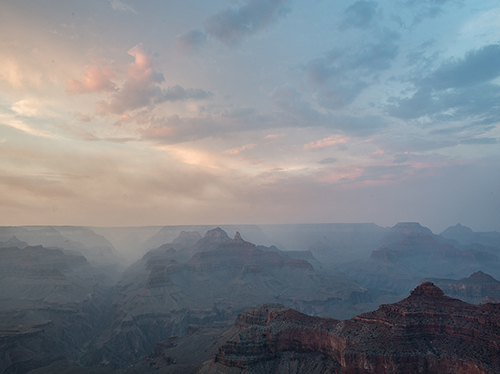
427, 289
14, 242
480, 277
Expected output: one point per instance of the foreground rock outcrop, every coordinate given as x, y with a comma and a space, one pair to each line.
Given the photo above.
426, 333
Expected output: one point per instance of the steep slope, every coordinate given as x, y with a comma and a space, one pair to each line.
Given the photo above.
161, 295
426, 333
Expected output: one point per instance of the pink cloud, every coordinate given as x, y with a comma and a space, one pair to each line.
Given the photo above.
82, 117
141, 87
97, 79
235, 151
332, 141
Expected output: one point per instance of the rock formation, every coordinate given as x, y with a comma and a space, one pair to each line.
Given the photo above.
464, 235
473, 289
163, 294
399, 266
426, 333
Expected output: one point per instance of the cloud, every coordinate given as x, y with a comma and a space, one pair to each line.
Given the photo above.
35, 185
401, 158
424, 9
478, 66
237, 150
342, 74
141, 87
382, 173
23, 127
77, 131
34, 107
177, 93
289, 99
360, 15
190, 41
336, 141
174, 129
340, 94
82, 117
459, 89
233, 25
327, 161
414, 143
301, 113
481, 141
120, 5
97, 79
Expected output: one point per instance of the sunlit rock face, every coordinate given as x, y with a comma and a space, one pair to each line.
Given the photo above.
426, 333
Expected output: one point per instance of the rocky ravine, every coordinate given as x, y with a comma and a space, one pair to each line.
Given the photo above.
426, 333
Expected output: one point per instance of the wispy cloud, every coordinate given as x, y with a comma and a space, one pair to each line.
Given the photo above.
233, 25
336, 141
21, 126
445, 93
237, 150
120, 5
360, 14
190, 41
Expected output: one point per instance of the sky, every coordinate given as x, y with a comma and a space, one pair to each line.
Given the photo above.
134, 113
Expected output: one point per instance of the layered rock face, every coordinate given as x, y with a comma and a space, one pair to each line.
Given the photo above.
167, 291
426, 333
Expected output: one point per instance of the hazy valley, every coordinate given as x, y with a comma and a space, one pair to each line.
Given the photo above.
165, 299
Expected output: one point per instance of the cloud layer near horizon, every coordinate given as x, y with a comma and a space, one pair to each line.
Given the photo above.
271, 111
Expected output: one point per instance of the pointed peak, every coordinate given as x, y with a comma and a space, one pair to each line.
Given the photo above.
481, 277
14, 242
427, 289
237, 236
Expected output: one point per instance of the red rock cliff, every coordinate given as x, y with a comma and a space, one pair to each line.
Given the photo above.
426, 333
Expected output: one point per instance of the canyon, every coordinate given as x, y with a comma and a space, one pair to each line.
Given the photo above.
77, 300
